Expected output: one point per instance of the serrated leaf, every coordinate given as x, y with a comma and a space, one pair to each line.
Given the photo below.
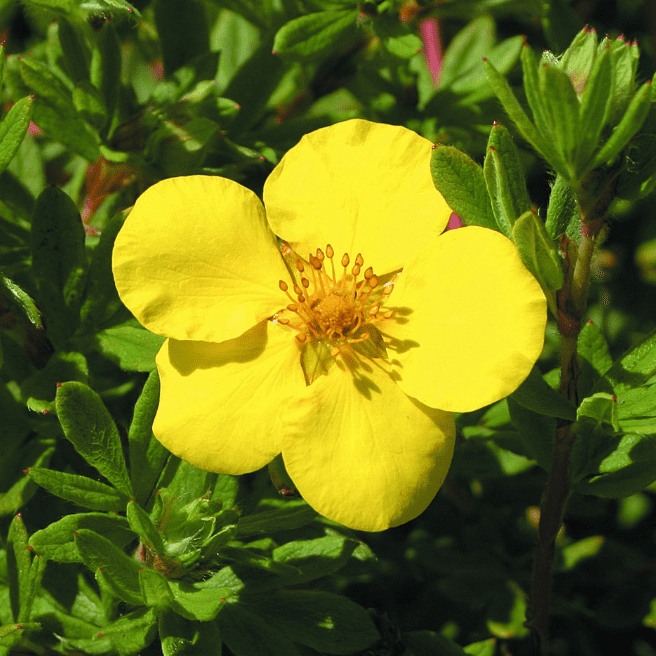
56, 541
462, 183
313, 35
89, 427
58, 261
81, 490
12, 130
536, 395
121, 571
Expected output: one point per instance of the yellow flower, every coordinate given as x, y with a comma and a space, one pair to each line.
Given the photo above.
341, 362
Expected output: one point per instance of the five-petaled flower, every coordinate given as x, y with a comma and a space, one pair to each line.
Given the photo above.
339, 327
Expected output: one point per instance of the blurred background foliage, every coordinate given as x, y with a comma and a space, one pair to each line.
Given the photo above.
126, 94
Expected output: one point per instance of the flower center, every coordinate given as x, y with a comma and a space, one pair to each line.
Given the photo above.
331, 305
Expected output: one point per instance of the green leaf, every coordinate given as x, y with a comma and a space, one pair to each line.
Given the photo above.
81, 490
507, 614
536, 395
245, 633
147, 454
89, 427
396, 36
595, 440
40, 389
482, 648
19, 562
12, 130
562, 111
594, 356
76, 53
637, 178
181, 637
504, 179
56, 541
537, 432
101, 302
315, 558
581, 550
514, 110
314, 35
45, 84
321, 620
196, 602
58, 261
154, 588
132, 632
562, 207
462, 183
21, 298
141, 524
118, 569
105, 76
624, 131
596, 104
293, 514
184, 34
130, 346
532, 89
539, 254
33, 586
89, 104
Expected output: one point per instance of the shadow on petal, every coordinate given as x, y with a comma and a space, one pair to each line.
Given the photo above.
187, 356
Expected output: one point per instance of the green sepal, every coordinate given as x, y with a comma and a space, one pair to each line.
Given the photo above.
314, 35
301, 615
89, 427
81, 490
40, 389
141, 524
562, 111
579, 59
13, 128
19, 562
105, 76
539, 254
147, 455
624, 131
184, 33
117, 569
58, 261
197, 601
76, 53
514, 110
596, 104
21, 298
462, 183
562, 207
536, 430
292, 514
56, 541
537, 395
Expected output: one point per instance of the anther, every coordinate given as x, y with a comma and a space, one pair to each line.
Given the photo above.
299, 266
373, 281
305, 282
369, 273
329, 251
283, 285
315, 262
292, 307
345, 260
356, 270
359, 260
283, 320
320, 255
298, 291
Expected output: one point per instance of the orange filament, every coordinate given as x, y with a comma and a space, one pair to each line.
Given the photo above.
325, 308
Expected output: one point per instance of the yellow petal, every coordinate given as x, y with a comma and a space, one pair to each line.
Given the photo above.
362, 188
474, 324
220, 404
197, 260
362, 453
